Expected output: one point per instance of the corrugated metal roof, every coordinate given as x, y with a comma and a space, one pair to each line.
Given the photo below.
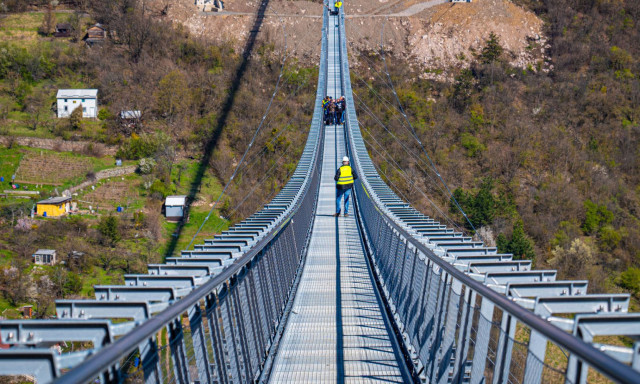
77, 93
55, 200
45, 252
175, 200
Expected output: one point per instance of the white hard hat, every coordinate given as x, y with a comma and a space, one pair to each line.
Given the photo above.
345, 159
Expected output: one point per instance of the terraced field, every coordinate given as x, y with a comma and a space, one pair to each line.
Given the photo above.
113, 194
51, 169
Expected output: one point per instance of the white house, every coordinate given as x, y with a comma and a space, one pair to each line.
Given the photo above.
70, 99
45, 257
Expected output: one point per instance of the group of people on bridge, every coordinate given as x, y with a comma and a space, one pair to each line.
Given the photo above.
333, 110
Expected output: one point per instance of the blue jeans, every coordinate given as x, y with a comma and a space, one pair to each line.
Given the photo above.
346, 193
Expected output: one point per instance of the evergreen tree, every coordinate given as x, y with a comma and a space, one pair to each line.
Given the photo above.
108, 228
502, 243
520, 245
462, 90
484, 205
480, 208
492, 50
75, 119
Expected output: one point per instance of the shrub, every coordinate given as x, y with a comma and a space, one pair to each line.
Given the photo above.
471, 144
138, 147
158, 190
630, 279
108, 228
596, 216
104, 114
565, 234
574, 261
75, 120
609, 238
146, 165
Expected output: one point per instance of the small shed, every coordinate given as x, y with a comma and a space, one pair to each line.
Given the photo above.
130, 119
174, 207
63, 30
54, 207
45, 257
96, 34
70, 99
130, 115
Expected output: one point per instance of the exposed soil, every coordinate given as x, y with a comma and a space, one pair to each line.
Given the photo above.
429, 33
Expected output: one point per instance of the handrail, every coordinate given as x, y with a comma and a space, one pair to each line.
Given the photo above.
584, 351
96, 365
603, 362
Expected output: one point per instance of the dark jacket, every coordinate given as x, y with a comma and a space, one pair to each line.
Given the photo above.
345, 186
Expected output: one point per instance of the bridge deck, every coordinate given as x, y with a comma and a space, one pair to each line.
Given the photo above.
336, 331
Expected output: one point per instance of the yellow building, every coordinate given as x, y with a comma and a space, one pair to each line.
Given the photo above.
53, 207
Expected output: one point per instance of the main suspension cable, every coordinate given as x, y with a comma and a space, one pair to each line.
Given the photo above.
253, 138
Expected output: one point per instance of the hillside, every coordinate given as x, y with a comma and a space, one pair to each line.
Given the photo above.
428, 34
199, 101
545, 163
528, 109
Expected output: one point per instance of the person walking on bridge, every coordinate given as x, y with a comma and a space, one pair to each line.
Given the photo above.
337, 6
345, 176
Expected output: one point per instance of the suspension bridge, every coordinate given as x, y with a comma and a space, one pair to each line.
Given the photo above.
293, 294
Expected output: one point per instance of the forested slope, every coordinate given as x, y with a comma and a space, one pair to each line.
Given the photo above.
545, 164
200, 103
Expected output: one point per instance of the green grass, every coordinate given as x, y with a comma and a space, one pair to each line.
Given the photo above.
99, 276
4, 305
196, 217
5, 255
23, 27
209, 192
21, 31
133, 202
9, 160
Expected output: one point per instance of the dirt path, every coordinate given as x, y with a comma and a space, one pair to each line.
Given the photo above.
417, 8
412, 10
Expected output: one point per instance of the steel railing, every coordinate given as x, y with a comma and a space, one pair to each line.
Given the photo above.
468, 314
210, 315
463, 312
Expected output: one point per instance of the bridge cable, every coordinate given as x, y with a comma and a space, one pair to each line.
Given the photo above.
406, 149
431, 164
407, 178
260, 155
253, 138
416, 136
435, 205
255, 157
253, 189
389, 106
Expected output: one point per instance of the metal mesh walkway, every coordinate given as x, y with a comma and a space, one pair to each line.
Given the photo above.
336, 331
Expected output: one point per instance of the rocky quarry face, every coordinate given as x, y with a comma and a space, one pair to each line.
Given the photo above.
436, 36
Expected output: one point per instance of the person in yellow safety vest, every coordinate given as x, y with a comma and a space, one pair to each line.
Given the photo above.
337, 6
345, 176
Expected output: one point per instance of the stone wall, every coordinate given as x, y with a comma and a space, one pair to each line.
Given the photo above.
60, 145
104, 174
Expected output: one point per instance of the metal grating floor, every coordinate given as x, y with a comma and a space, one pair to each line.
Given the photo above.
336, 331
